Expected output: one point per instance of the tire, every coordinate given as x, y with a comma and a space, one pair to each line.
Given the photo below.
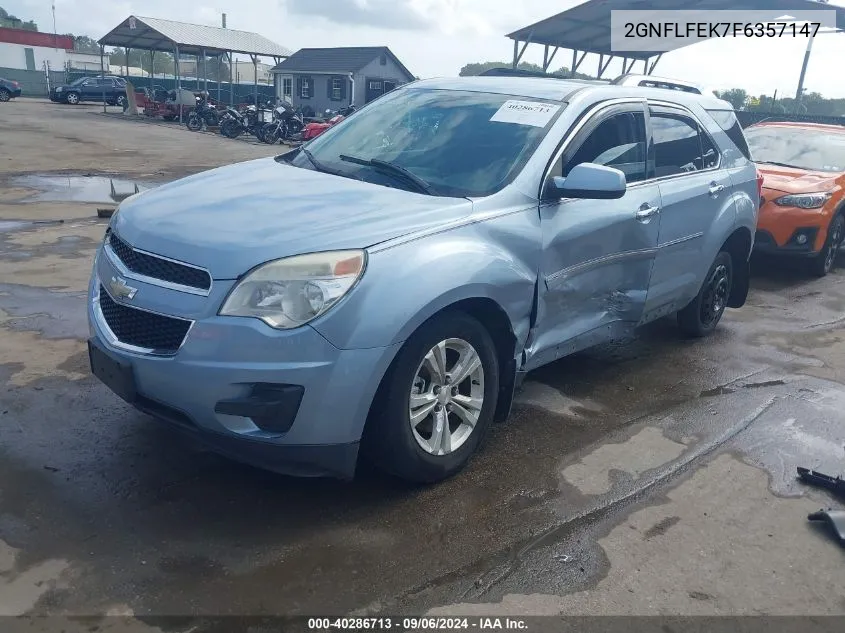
230, 129
72, 98
703, 313
121, 101
194, 123
5, 95
823, 263
413, 452
270, 134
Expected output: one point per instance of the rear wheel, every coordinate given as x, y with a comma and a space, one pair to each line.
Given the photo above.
436, 404
5, 95
703, 313
72, 98
271, 133
823, 263
230, 129
121, 101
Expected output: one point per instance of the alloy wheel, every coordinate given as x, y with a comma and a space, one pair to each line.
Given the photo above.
4, 95
835, 242
72, 98
447, 394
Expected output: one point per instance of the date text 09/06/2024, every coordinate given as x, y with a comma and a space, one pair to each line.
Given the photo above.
703, 30
422, 623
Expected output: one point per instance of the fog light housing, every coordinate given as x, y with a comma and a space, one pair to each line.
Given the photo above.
801, 239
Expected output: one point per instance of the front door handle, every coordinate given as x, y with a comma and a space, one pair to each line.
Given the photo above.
716, 189
645, 212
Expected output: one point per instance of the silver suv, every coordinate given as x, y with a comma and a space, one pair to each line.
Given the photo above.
387, 284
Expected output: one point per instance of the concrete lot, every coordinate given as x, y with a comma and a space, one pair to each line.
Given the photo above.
652, 476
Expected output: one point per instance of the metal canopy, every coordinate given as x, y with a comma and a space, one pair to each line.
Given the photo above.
155, 34
585, 28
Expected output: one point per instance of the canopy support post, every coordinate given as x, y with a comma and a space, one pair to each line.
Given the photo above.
103, 73
576, 61
255, 68
551, 57
178, 85
152, 70
654, 63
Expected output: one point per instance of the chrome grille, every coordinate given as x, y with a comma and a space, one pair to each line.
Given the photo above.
157, 267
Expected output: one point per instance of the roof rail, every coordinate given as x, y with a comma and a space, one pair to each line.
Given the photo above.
650, 81
515, 72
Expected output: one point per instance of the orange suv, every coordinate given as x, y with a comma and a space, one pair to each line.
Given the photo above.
803, 197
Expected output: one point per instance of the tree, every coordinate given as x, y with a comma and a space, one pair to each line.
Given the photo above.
735, 96
84, 44
476, 68
13, 22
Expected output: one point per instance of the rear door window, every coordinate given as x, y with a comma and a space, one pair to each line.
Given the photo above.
726, 119
677, 148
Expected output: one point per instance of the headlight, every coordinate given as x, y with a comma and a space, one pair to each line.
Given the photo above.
290, 292
59, 89
804, 200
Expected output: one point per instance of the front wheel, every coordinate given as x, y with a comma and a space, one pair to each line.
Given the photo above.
5, 95
703, 313
823, 263
437, 401
72, 98
194, 123
121, 101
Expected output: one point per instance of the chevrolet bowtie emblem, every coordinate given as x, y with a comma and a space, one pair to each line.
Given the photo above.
120, 290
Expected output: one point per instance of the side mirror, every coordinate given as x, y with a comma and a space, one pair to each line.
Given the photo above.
588, 181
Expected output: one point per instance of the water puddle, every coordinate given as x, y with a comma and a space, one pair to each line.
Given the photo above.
7, 226
94, 189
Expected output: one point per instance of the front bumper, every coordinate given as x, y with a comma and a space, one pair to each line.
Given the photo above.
766, 243
789, 230
287, 401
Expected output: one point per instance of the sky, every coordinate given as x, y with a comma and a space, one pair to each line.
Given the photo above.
435, 38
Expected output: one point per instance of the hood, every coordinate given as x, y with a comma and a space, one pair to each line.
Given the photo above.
233, 218
795, 180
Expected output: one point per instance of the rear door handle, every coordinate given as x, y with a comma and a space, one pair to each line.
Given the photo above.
645, 212
716, 189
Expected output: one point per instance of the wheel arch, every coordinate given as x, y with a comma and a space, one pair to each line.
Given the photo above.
495, 320
738, 246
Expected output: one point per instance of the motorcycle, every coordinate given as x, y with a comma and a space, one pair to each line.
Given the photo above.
313, 130
236, 123
287, 124
204, 114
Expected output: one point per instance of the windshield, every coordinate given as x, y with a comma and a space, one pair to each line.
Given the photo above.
804, 148
442, 142
78, 81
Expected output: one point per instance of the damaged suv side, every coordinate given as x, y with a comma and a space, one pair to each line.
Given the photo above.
386, 286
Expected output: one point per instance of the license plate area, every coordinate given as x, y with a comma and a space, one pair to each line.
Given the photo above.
115, 374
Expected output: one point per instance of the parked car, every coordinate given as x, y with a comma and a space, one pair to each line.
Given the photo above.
387, 285
803, 206
91, 89
9, 89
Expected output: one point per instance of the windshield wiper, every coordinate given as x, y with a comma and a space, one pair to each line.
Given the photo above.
771, 162
319, 166
393, 168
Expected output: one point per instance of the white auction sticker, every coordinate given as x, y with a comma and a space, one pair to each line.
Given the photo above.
525, 113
